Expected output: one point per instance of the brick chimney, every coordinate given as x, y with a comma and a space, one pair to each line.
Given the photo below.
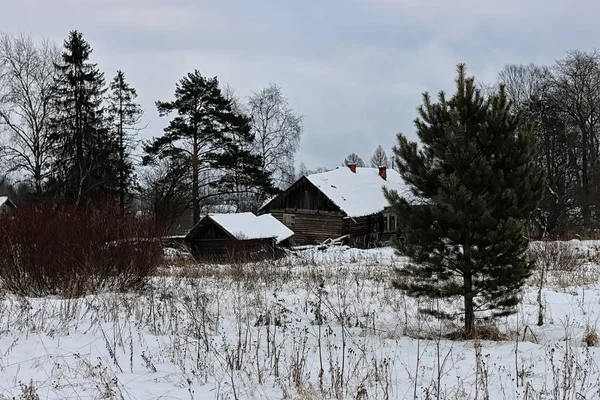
383, 173
352, 167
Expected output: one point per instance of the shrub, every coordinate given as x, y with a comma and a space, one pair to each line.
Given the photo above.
71, 253
556, 256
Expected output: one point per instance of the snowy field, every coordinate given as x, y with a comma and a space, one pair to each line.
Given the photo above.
315, 325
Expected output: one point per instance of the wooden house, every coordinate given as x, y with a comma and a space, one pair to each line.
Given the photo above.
6, 204
237, 236
346, 202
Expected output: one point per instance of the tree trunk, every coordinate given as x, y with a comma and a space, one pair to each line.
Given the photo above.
539, 296
195, 200
121, 160
585, 180
469, 308
78, 148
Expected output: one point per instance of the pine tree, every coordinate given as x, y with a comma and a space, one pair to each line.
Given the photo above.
212, 136
124, 115
474, 184
379, 158
84, 169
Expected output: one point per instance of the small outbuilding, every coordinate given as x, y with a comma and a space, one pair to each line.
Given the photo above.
238, 236
6, 204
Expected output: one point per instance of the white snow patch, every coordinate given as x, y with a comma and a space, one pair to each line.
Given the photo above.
359, 193
214, 337
247, 226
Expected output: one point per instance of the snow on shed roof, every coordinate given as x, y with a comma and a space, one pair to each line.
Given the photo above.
4, 200
246, 226
358, 193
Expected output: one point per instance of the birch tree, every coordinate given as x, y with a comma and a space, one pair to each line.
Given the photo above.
27, 91
277, 132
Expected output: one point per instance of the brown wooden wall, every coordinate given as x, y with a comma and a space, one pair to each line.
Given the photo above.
207, 229
312, 228
303, 195
230, 249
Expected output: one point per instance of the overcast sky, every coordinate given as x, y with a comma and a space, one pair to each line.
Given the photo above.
354, 68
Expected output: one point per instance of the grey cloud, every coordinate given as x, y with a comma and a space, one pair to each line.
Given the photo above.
355, 68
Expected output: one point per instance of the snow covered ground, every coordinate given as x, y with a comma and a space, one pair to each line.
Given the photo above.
315, 325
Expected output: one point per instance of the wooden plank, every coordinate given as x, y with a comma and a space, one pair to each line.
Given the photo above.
312, 228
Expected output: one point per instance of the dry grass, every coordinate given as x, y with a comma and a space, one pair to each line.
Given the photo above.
562, 265
483, 332
278, 323
591, 338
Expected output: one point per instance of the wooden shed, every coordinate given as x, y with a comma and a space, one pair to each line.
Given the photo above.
6, 204
237, 236
345, 202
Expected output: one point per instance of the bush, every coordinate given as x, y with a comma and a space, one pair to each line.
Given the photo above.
556, 256
70, 253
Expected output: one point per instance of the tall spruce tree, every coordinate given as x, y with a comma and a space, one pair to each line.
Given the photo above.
124, 115
474, 184
212, 136
84, 166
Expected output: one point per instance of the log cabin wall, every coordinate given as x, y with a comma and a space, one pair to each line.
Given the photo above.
364, 231
230, 250
308, 212
206, 229
302, 195
310, 227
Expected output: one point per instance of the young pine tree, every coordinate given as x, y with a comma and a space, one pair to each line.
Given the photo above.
84, 167
124, 115
212, 136
475, 182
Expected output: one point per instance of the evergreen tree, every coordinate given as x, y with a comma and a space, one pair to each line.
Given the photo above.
84, 166
212, 136
124, 115
474, 184
379, 158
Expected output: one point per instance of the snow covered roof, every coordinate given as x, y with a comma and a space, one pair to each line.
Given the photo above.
245, 226
5, 201
358, 193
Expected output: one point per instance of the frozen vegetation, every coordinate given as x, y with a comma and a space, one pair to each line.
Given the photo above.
318, 324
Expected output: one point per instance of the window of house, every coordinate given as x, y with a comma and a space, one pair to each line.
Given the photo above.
289, 219
389, 223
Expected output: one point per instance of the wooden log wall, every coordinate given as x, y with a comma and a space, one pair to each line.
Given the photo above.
229, 249
310, 227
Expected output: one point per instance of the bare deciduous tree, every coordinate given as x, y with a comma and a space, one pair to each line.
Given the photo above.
166, 191
354, 159
277, 131
379, 158
575, 91
27, 89
524, 83
530, 88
